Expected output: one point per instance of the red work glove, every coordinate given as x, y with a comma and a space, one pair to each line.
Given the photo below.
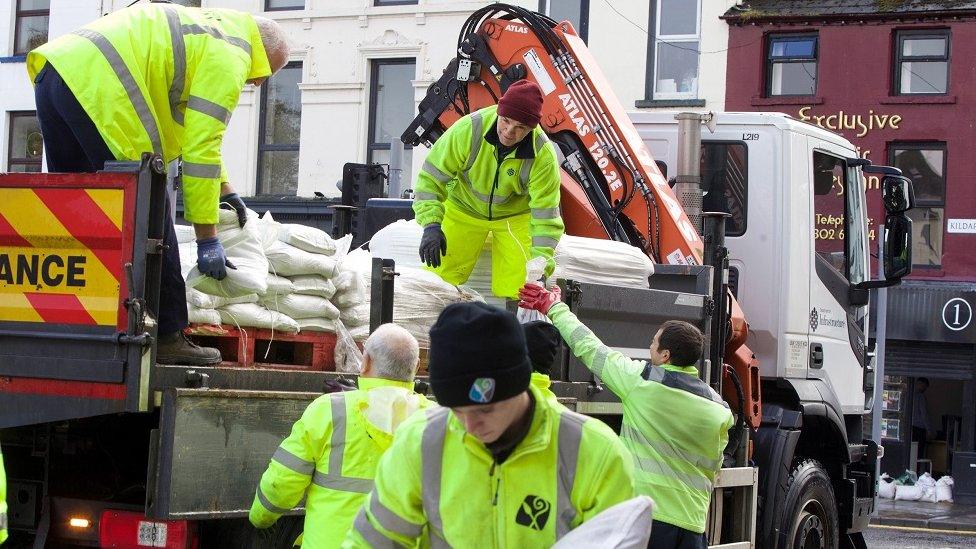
537, 298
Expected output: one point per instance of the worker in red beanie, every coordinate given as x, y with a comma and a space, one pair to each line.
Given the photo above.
495, 172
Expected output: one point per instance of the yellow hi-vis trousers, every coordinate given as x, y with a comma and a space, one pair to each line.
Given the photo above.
510, 249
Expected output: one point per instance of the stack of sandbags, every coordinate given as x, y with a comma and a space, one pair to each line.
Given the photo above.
943, 489
308, 259
419, 296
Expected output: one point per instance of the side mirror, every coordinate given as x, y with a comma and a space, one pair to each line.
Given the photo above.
897, 245
897, 194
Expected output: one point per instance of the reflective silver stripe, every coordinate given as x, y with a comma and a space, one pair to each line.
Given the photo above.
524, 174
203, 171
600, 360
545, 213
544, 242
268, 505
392, 521
337, 442
578, 334
233, 40
208, 107
432, 456
570, 437
667, 450
124, 75
435, 172
373, 537
3, 521
293, 462
179, 63
653, 466
425, 196
477, 134
341, 483
540, 141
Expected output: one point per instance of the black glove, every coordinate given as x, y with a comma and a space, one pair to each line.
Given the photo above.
433, 245
233, 201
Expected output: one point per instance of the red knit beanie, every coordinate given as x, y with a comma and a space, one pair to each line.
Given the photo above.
522, 102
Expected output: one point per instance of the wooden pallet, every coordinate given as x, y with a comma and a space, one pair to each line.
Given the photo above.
262, 348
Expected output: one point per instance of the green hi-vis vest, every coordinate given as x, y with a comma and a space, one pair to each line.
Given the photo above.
463, 167
675, 426
162, 78
440, 486
329, 458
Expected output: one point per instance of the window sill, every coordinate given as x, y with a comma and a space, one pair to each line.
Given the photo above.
663, 103
789, 100
14, 59
918, 100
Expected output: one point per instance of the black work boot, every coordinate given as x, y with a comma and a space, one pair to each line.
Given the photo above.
176, 348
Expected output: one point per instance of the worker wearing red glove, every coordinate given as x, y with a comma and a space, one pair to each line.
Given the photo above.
675, 461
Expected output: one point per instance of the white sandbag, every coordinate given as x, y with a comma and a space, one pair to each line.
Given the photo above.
925, 480
287, 260
886, 488
943, 489
313, 285
279, 285
360, 333
350, 289
626, 525
205, 301
602, 262
188, 257
307, 238
316, 324
252, 315
185, 233
302, 306
399, 241
354, 317
244, 249
196, 315
908, 493
928, 494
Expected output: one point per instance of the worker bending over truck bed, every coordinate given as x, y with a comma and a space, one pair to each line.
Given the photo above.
164, 79
493, 171
674, 424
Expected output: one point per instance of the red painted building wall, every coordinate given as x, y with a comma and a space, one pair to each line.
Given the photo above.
854, 88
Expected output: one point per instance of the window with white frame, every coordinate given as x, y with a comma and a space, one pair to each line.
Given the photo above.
24, 143
391, 109
576, 12
31, 25
280, 132
677, 39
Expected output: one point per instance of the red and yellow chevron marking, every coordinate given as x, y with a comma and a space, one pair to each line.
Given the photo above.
60, 255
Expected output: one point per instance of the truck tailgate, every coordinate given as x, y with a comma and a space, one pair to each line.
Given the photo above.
70, 247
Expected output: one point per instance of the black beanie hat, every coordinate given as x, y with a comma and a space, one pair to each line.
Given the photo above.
477, 355
542, 339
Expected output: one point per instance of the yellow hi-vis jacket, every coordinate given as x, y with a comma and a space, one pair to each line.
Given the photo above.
330, 458
3, 502
463, 167
675, 425
440, 486
162, 78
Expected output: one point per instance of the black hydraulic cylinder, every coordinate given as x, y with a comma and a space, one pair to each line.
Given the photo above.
716, 255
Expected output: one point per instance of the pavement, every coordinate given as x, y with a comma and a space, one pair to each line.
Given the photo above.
897, 537
931, 516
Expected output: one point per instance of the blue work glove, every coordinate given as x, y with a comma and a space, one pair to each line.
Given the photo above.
433, 245
211, 259
233, 201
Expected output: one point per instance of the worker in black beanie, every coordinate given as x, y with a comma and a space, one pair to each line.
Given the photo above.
498, 460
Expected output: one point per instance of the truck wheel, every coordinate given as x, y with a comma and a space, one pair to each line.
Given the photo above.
810, 511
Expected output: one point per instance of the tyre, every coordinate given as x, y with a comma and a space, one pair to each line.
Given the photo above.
809, 512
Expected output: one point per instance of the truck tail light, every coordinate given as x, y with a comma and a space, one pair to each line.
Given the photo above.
130, 530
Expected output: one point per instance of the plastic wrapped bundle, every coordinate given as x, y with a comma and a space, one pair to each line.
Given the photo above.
602, 262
